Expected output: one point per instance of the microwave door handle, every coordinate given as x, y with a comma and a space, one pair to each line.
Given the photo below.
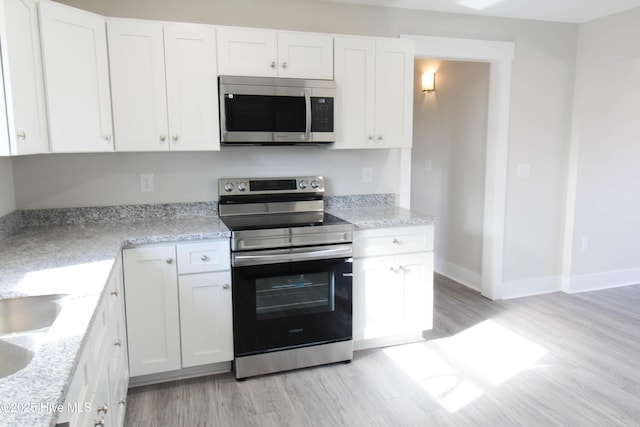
307, 102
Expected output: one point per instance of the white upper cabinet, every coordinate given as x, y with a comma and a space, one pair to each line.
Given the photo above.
374, 99
74, 52
23, 82
264, 53
394, 93
192, 86
164, 88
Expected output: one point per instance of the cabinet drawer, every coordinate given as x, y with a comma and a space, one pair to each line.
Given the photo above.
203, 257
389, 241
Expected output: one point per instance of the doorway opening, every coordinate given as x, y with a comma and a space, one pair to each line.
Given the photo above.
448, 162
499, 55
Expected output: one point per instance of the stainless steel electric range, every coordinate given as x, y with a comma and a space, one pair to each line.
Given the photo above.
291, 275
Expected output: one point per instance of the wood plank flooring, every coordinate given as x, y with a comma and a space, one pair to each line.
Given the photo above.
550, 360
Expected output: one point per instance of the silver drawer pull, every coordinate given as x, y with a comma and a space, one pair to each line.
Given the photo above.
204, 257
396, 242
169, 260
225, 286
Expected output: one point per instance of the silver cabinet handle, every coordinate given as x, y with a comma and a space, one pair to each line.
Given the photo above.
114, 292
396, 242
272, 64
284, 65
122, 402
174, 137
204, 257
380, 137
99, 422
22, 135
370, 137
107, 138
163, 138
225, 286
104, 408
169, 260
117, 344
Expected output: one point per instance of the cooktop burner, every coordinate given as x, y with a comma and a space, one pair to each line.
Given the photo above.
279, 213
271, 221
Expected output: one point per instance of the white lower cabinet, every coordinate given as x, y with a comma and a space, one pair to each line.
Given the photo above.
178, 306
393, 285
98, 390
205, 299
151, 303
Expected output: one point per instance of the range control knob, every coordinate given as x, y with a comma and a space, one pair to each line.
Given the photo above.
228, 187
302, 184
315, 183
242, 186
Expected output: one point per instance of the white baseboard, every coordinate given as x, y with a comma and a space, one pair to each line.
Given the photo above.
528, 287
603, 280
466, 277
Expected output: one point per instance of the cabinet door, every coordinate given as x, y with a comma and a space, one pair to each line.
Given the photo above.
379, 298
305, 56
354, 60
151, 306
136, 62
206, 318
243, 52
192, 88
74, 52
23, 82
394, 88
418, 290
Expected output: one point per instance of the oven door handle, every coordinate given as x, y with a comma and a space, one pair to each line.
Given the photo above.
276, 256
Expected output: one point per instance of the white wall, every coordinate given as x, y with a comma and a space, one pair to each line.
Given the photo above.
7, 194
603, 238
450, 131
68, 180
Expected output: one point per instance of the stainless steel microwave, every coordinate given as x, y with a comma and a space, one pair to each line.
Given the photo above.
276, 111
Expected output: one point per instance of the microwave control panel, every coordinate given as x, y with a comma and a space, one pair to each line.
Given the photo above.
321, 114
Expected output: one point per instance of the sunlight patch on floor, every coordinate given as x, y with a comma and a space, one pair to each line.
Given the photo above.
459, 369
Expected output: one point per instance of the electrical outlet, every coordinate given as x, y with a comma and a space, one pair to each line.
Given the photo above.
146, 182
367, 175
585, 244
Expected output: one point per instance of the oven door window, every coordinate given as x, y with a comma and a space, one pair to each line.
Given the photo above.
294, 295
278, 306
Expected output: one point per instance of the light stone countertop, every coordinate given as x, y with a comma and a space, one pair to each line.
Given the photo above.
382, 217
75, 260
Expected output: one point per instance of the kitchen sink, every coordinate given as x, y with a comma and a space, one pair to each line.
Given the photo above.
29, 313
14, 358
24, 323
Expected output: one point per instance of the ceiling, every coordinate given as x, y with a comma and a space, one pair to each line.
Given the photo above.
574, 11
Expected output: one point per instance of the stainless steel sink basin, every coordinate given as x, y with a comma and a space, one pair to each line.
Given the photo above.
28, 313
13, 357
24, 323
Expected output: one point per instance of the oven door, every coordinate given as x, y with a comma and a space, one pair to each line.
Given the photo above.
292, 304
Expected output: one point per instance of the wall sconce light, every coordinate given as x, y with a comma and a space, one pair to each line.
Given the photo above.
428, 82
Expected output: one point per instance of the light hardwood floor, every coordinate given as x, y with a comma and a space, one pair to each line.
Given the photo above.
550, 360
